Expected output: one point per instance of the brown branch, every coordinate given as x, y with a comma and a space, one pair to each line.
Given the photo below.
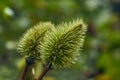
24, 72
45, 70
29, 61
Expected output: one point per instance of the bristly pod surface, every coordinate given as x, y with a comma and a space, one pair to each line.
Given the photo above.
62, 45
28, 44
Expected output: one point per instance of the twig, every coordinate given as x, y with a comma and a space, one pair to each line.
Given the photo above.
45, 70
24, 72
29, 61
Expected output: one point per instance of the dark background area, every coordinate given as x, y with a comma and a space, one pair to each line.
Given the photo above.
100, 58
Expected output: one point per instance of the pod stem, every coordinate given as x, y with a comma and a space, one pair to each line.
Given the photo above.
29, 61
45, 70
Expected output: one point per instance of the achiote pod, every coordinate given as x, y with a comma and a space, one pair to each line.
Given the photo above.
62, 45
28, 44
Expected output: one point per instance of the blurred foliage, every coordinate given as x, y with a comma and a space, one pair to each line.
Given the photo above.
100, 59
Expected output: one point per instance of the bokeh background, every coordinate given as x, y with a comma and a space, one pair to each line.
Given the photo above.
100, 58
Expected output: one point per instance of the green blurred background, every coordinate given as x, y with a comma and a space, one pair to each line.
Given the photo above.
100, 58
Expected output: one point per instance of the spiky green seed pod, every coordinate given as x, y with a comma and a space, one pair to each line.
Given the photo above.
62, 45
28, 44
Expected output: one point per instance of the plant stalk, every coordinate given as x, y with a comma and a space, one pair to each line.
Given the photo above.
25, 72
43, 73
29, 61
45, 70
